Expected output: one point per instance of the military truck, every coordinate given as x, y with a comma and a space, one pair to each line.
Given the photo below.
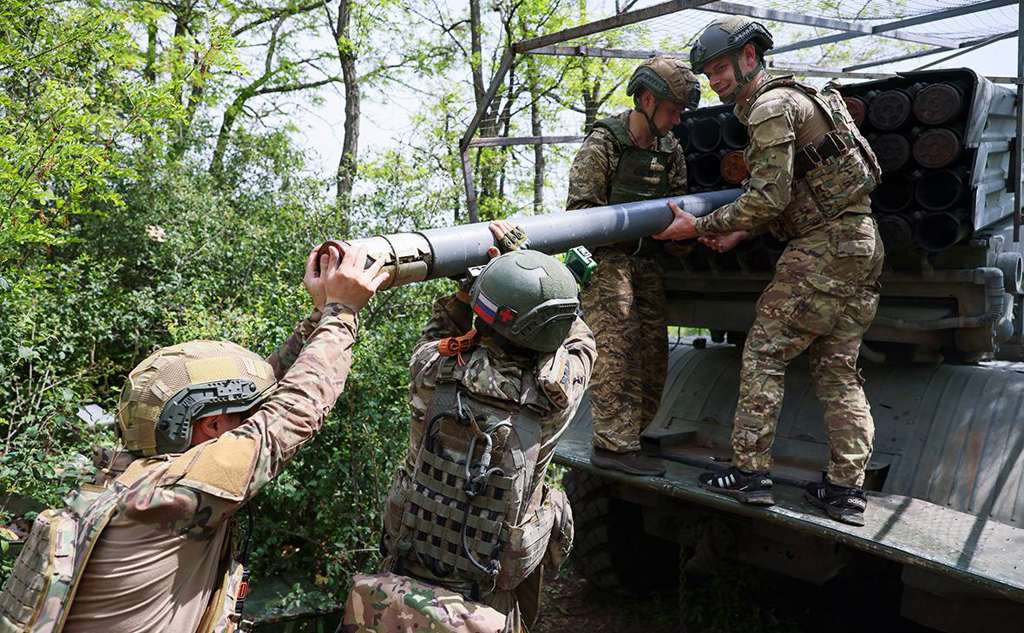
942, 370
942, 361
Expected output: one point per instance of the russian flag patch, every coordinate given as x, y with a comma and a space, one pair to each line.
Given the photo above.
485, 308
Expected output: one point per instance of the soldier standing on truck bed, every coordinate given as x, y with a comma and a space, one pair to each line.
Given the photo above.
810, 175
629, 157
470, 527
146, 547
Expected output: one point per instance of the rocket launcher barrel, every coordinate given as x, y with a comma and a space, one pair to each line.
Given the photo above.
450, 251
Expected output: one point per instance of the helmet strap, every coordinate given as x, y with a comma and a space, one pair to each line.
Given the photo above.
653, 129
742, 79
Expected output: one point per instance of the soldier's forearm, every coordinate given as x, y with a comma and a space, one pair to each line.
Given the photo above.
451, 316
294, 413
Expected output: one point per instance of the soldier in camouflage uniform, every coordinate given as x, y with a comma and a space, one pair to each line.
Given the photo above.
469, 514
810, 175
146, 546
629, 157
389, 602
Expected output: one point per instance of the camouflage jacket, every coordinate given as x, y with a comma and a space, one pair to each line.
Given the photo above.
500, 371
494, 373
780, 120
311, 367
189, 496
590, 177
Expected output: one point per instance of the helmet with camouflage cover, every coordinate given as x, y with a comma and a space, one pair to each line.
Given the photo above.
166, 393
667, 78
729, 35
527, 297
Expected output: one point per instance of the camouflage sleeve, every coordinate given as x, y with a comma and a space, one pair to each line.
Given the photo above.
677, 172
286, 353
591, 171
770, 157
196, 491
565, 374
451, 317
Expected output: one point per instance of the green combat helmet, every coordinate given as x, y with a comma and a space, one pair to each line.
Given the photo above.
730, 35
668, 79
177, 385
527, 297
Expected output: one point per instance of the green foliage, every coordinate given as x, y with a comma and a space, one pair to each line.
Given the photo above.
70, 108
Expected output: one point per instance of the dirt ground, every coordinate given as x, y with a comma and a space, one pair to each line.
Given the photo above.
572, 604
742, 600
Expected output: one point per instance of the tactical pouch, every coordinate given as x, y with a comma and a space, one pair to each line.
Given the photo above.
839, 181
436, 509
472, 485
527, 544
846, 169
33, 596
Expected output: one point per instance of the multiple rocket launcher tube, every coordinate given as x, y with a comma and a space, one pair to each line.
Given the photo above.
917, 134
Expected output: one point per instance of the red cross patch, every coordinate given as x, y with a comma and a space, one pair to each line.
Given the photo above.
506, 314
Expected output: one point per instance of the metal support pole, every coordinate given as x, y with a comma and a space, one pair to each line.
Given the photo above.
467, 169
1018, 148
499, 76
467, 179
503, 141
888, 27
983, 43
599, 26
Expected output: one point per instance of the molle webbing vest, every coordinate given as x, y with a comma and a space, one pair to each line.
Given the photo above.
475, 479
640, 174
42, 584
838, 170
38, 595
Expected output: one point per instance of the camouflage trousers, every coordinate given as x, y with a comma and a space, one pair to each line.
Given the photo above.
389, 603
625, 307
822, 299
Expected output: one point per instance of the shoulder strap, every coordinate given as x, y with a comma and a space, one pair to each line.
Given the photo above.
618, 128
445, 398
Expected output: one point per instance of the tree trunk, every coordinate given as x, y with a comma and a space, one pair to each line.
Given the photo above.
217, 162
591, 104
182, 28
149, 73
350, 143
536, 129
476, 52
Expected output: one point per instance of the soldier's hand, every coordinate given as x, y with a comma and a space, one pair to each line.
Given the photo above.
509, 237
350, 282
313, 281
683, 225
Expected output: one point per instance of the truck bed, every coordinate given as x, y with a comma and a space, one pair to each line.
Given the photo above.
913, 532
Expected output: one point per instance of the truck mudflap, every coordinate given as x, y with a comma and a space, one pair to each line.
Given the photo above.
916, 533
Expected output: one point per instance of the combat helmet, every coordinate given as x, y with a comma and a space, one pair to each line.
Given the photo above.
177, 385
527, 297
667, 78
730, 35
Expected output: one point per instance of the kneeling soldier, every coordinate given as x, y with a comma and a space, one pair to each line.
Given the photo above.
470, 524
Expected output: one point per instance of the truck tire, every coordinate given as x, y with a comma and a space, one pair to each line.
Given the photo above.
611, 548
